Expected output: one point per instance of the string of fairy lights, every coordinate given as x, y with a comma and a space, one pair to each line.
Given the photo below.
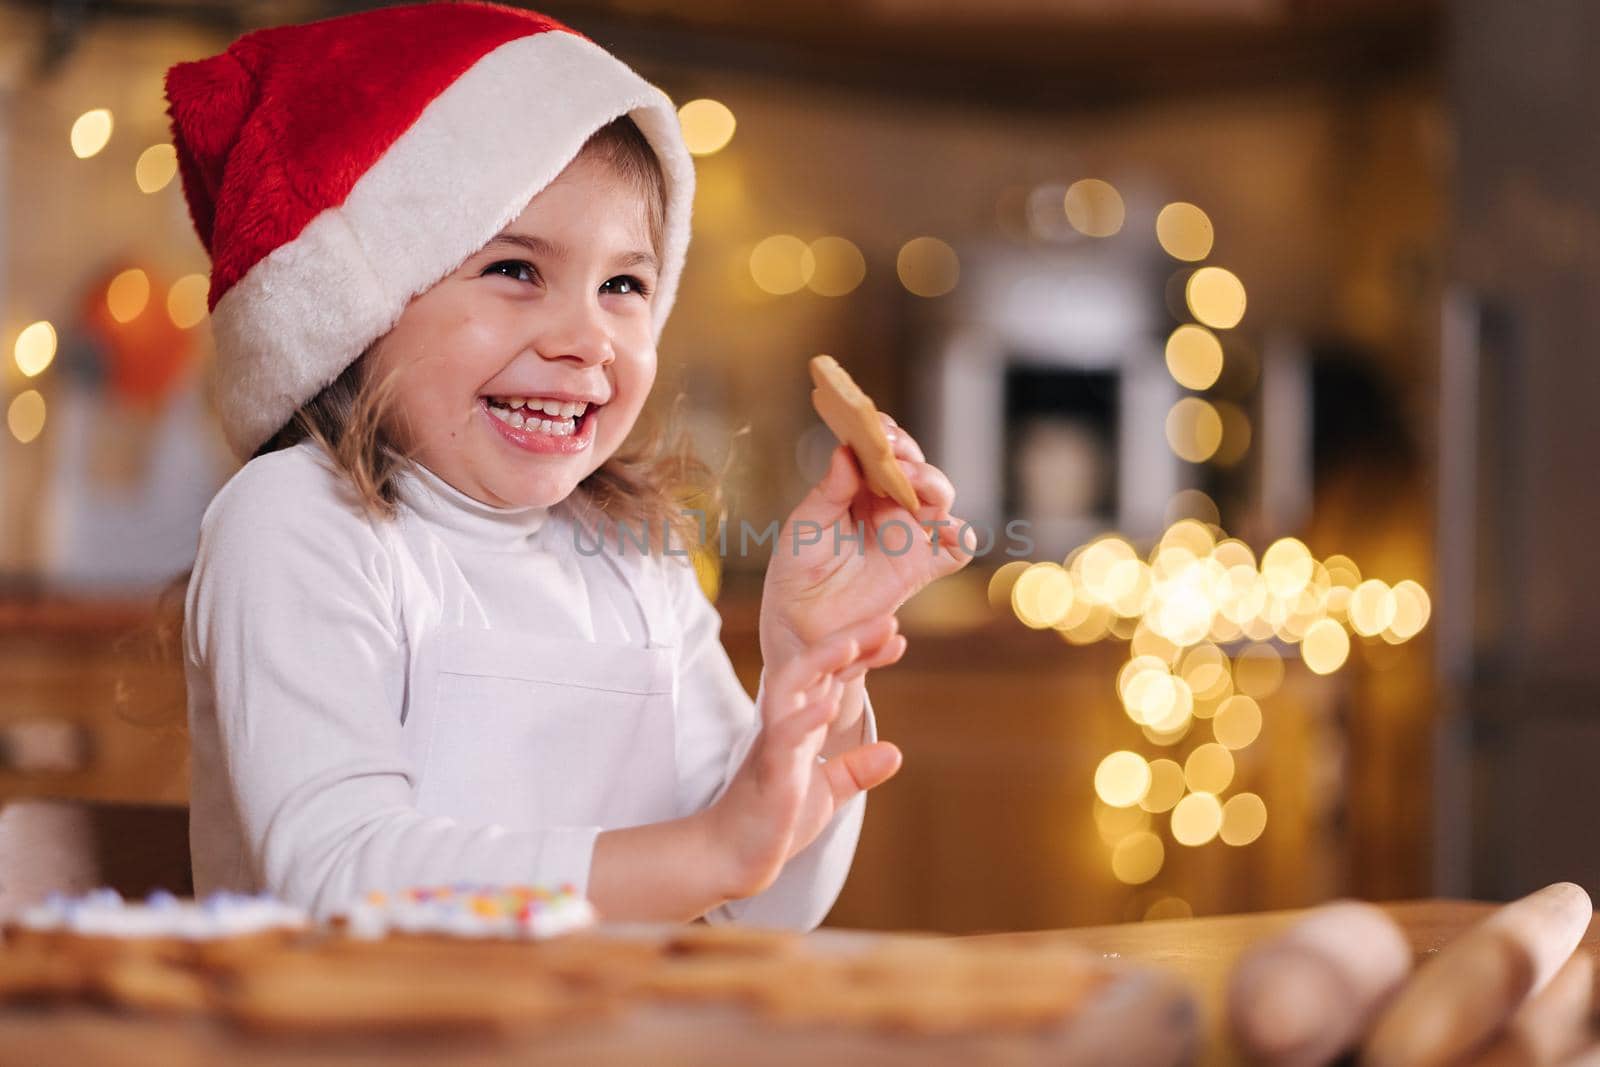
1207, 622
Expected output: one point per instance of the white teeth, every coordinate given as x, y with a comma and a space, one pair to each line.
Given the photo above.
558, 427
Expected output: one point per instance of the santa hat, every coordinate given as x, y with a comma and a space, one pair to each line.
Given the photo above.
336, 169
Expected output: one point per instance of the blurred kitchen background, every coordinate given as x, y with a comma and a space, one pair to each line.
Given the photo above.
1269, 320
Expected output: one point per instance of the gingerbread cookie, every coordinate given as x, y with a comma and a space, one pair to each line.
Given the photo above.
854, 420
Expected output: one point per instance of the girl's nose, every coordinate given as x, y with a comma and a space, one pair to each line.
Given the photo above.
575, 329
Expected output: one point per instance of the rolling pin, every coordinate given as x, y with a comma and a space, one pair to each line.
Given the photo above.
1305, 996
1466, 994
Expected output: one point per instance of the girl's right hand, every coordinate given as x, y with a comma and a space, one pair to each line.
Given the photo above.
782, 796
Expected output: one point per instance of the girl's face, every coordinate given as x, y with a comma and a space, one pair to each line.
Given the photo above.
521, 372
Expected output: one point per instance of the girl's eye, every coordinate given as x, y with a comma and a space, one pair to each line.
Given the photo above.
516, 268
626, 284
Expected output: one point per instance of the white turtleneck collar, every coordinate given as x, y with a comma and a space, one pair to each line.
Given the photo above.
442, 505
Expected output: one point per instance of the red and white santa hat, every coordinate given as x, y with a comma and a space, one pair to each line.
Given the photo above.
335, 169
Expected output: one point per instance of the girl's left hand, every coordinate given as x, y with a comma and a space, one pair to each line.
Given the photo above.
818, 582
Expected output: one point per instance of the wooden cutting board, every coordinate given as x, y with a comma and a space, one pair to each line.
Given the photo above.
833, 996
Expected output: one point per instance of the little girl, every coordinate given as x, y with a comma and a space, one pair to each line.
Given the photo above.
444, 241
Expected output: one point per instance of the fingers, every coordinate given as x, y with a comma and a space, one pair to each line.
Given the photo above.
904, 445
932, 486
797, 685
889, 652
860, 769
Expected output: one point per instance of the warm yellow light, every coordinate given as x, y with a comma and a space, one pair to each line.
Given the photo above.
156, 167
1122, 779
1116, 823
35, 348
1094, 207
1325, 646
1196, 819
1194, 357
927, 267
1168, 908
1166, 786
1192, 535
1003, 581
1216, 297
707, 126
1411, 611
128, 294
1042, 595
1146, 642
1193, 504
1258, 671
1137, 858
25, 416
1184, 232
1287, 567
1372, 608
90, 132
840, 266
1234, 553
186, 301
1209, 768
1342, 572
1243, 818
1237, 723
782, 264
1236, 434
1205, 668
1194, 429
1094, 565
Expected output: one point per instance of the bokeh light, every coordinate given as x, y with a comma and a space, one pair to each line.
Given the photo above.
707, 125
90, 132
928, 267
35, 348
186, 300
1166, 786
1194, 357
1236, 434
1196, 819
25, 415
156, 167
1258, 671
1209, 768
1042, 595
1194, 429
128, 294
1372, 608
1094, 207
1237, 723
1244, 817
1122, 779
839, 266
1184, 231
1137, 858
1216, 297
1325, 646
1412, 608
782, 264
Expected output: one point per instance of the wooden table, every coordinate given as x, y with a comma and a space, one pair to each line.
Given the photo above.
1200, 951
1203, 951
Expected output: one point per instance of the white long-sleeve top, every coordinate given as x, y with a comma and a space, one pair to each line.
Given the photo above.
463, 694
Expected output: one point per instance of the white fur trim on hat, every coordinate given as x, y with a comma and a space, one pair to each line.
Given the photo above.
467, 167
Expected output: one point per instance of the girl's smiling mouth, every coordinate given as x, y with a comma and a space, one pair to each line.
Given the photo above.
547, 425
